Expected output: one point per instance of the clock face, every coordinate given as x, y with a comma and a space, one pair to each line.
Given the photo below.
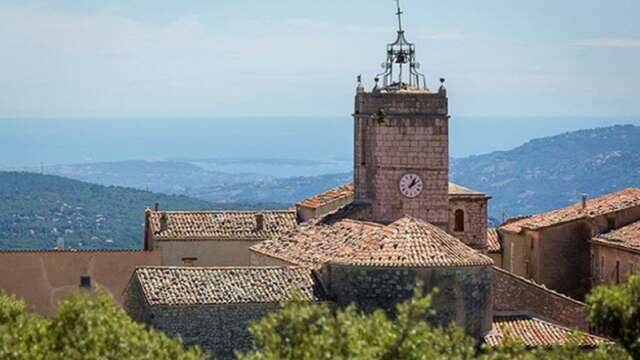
411, 185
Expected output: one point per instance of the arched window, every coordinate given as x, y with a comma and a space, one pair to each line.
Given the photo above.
459, 221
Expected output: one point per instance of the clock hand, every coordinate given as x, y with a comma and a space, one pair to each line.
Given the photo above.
413, 182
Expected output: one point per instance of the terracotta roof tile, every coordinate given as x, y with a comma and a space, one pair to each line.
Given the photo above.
493, 240
343, 192
412, 242
221, 225
627, 237
603, 205
406, 242
534, 332
177, 286
313, 244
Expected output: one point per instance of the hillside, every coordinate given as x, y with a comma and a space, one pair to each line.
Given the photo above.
287, 190
37, 210
171, 177
553, 172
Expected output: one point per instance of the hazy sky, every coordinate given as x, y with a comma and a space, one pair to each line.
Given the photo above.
151, 58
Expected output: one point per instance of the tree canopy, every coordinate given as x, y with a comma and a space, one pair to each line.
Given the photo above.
84, 327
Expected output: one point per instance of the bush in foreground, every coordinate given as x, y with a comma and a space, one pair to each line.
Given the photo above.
84, 327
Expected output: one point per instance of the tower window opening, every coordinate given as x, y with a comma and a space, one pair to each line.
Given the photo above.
459, 221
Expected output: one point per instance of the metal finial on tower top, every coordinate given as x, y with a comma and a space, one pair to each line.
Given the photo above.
399, 13
401, 53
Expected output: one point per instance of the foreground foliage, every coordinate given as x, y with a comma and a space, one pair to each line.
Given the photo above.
615, 310
85, 327
310, 331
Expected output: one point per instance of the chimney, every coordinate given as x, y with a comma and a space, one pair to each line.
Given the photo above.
584, 201
157, 207
60, 243
259, 221
164, 220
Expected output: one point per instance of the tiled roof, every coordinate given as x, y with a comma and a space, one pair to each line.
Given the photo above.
627, 237
221, 225
457, 190
534, 332
603, 205
177, 286
493, 241
407, 242
313, 244
343, 192
412, 242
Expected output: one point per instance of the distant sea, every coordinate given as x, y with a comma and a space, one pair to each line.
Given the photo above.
285, 146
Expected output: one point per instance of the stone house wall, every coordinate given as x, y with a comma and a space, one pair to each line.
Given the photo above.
464, 294
561, 258
475, 220
603, 264
44, 278
218, 329
206, 252
411, 137
515, 294
516, 253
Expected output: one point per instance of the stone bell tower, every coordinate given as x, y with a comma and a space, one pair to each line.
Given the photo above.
401, 152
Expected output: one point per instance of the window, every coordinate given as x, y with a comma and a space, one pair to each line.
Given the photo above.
617, 271
459, 221
611, 223
601, 267
189, 261
85, 281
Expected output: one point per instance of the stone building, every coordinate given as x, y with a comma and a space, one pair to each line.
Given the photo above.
553, 248
615, 255
213, 307
212, 238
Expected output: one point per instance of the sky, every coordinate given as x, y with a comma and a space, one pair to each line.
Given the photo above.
175, 59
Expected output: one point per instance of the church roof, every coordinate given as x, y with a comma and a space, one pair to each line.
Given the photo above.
410, 242
220, 225
181, 286
407, 242
533, 332
626, 237
600, 206
313, 244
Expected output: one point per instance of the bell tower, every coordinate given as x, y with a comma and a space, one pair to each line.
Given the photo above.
401, 147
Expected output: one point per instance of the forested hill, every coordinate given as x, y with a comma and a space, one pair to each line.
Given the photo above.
553, 172
38, 210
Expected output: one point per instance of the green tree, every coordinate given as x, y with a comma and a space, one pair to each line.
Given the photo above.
301, 330
615, 310
84, 327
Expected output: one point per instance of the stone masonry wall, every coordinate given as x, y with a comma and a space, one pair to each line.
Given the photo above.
475, 221
135, 304
464, 293
396, 134
516, 294
219, 329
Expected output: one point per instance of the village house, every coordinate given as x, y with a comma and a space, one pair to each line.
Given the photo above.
555, 248
212, 238
615, 255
